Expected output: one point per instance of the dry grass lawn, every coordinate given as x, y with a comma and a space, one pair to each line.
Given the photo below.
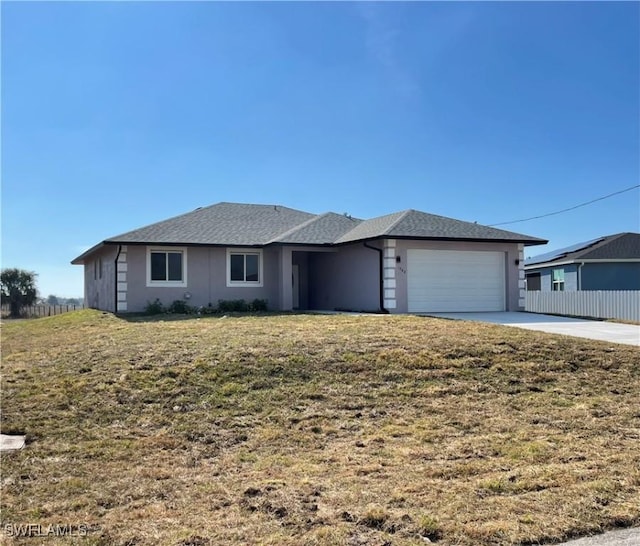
327, 430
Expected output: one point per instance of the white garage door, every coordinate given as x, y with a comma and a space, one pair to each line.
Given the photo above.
455, 280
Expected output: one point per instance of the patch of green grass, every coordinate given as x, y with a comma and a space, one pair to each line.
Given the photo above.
301, 429
428, 527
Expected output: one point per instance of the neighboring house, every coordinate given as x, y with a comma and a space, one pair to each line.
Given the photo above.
607, 263
409, 261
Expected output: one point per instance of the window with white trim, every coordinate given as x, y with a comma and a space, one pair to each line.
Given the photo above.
244, 267
557, 280
166, 266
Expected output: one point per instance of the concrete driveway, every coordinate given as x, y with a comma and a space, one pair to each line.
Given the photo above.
591, 329
624, 537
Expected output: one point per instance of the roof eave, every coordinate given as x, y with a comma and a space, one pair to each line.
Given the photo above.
549, 264
581, 261
526, 242
176, 243
80, 259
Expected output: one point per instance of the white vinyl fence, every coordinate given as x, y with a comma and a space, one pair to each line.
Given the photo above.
617, 304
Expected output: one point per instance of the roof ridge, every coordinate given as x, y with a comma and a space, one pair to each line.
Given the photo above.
296, 228
618, 235
197, 209
403, 215
602, 241
475, 222
264, 205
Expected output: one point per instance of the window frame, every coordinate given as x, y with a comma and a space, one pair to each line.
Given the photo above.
557, 285
167, 249
245, 252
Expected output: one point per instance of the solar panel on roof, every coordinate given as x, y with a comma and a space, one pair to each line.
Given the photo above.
555, 254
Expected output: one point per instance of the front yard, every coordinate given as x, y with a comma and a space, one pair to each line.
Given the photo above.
302, 429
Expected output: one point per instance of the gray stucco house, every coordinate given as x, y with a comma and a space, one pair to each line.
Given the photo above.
607, 263
408, 261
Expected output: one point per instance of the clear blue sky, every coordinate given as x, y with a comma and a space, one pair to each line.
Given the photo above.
116, 115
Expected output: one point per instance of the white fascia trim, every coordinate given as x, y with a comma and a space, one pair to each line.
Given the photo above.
167, 284
245, 284
623, 260
543, 266
569, 262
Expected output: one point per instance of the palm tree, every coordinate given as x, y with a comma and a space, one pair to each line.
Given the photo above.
18, 289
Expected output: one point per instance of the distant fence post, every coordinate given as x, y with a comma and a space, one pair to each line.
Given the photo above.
42, 310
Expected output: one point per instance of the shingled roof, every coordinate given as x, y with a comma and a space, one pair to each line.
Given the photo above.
220, 224
414, 224
620, 246
320, 230
237, 224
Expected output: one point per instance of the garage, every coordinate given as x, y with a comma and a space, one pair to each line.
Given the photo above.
455, 281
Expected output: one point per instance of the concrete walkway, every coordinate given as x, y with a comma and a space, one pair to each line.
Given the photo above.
623, 537
613, 332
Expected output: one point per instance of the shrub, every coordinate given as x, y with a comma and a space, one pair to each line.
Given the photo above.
232, 306
241, 306
180, 307
154, 308
258, 305
208, 310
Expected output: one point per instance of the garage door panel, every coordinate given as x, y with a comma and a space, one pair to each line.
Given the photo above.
449, 280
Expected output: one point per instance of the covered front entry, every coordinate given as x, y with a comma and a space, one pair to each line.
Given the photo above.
344, 278
455, 280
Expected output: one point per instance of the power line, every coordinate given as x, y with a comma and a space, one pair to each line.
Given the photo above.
567, 210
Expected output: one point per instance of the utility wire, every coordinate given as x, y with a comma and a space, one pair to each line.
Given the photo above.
567, 210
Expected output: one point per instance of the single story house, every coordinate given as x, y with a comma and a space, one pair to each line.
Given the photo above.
408, 261
607, 263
